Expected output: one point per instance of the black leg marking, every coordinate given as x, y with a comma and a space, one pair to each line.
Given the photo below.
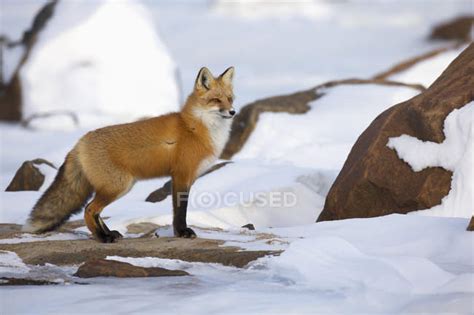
103, 233
180, 206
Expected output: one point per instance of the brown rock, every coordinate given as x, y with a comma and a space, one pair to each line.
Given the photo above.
28, 176
74, 252
458, 29
246, 120
4, 281
160, 194
112, 268
146, 228
297, 103
470, 227
249, 226
373, 180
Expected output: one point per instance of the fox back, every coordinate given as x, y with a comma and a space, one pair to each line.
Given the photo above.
108, 161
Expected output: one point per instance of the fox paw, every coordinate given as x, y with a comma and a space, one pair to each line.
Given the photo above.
111, 237
185, 233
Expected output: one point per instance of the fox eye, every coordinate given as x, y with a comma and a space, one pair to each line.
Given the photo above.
230, 99
215, 100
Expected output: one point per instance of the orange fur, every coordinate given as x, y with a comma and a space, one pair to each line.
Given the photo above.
180, 145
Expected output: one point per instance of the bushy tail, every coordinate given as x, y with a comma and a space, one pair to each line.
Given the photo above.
67, 195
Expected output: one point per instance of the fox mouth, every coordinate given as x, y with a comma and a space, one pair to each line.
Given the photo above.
226, 116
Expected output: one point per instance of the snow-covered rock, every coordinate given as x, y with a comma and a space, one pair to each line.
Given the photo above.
323, 136
101, 60
427, 71
454, 154
374, 181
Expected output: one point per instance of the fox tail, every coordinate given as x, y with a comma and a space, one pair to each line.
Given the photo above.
66, 196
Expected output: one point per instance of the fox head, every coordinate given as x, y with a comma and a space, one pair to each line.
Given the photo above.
212, 97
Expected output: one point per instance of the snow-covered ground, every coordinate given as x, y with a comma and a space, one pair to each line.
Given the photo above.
390, 265
278, 182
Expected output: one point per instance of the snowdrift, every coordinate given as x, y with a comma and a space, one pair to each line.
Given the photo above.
102, 61
322, 137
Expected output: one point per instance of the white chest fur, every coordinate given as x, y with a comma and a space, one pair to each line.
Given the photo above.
219, 129
206, 164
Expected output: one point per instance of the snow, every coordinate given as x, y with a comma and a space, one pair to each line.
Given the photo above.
25, 238
396, 264
11, 263
453, 154
326, 133
266, 195
426, 72
278, 55
255, 9
102, 61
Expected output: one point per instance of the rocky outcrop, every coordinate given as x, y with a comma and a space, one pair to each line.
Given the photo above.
297, 103
470, 227
458, 29
28, 176
112, 268
160, 194
8, 281
249, 226
72, 252
373, 180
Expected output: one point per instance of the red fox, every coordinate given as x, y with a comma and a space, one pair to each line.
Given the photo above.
108, 161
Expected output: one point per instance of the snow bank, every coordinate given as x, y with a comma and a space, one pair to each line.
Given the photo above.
272, 8
453, 154
102, 60
392, 263
322, 137
266, 195
426, 72
396, 264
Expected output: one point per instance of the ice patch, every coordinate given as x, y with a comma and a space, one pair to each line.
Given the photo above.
11, 263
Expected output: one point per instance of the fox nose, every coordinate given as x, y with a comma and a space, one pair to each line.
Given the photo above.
232, 112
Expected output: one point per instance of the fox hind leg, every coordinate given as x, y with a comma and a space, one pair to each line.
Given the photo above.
106, 191
95, 223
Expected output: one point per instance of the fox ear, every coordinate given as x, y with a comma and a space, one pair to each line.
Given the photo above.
204, 79
227, 75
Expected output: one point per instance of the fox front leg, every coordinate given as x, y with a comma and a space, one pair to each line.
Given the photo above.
180, 207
